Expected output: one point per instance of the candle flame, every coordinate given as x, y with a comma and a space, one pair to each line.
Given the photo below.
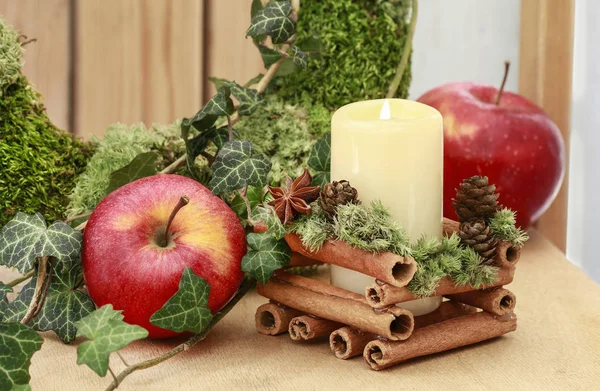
385, 110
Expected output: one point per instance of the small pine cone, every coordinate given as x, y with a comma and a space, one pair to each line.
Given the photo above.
337, 193
476, 199
478, 235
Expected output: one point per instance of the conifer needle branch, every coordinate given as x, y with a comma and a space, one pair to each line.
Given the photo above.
246, 286
38, 290
405, 53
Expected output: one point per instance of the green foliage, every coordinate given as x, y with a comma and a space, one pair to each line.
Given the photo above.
18, 343
319, 161
106, 333
267, 215
269, 56
273, 21
4, 290
300, 58
39, 163
187, 309
141, 166
119, 146
11, 53
362, 46
266, 254
255, 195
314, 229
249, 98
285, 134
504, 228
237, 166
26, 237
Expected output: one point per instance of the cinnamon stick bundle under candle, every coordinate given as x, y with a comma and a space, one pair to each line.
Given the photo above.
381, 295
306, 328
507, 255
274, 319
498, 301
349, 342
336, 304
439, 337
388, 267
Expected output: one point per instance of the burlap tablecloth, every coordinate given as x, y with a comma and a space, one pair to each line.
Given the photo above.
556, 347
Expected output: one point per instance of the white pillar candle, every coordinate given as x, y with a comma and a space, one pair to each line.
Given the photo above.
391, 150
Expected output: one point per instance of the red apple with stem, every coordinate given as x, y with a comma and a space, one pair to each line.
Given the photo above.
503, 136
141, 237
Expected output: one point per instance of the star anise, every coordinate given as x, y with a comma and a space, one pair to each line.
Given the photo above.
294, 198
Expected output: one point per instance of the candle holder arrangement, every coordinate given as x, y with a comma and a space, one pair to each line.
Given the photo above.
374, 323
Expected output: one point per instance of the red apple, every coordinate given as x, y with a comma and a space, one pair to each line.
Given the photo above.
515, 144
126, 264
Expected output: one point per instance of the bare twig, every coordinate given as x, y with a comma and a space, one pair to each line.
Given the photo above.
81, 216
244, 196
122, 359
37, 293
19, 280
405, 53
44, 294
244, 288
81, 226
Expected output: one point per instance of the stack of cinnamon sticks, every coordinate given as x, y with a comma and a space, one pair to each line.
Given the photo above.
375, 325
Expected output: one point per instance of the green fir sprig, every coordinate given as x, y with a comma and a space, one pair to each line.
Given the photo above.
504, 228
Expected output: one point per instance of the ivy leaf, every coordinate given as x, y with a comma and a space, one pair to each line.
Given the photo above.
254, 80
256, 7
266, 255
64, 305
236, 166
106, 333
218, 82
311, 45
4, 290
25, 238
319, 160
287, 68
186, 310
269, 56
300, 58
222, 136
249, 99
18, 343
141, 166
267, 215
254, 195
218, 105
16, 309
273, 20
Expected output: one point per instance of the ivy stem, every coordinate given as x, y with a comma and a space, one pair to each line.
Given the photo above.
244, 196
230, 128
81, 216
183, 201
393, 89
246, 286
44, 294
501, 90
208, 156
19, 280
37, 293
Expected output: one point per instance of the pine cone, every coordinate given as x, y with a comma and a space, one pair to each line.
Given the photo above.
337, 193
476, 199
477, 234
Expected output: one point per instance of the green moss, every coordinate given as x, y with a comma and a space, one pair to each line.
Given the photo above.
504, 228
362, 40
39, 163
11, 53
119, 145
285, 133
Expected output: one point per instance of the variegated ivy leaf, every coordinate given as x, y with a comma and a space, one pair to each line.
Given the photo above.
25, 238
106, 333
249, 99
273, 20
4, 290
269, 56
300, 58
220, 104
266, 255
187, 309
236, 166
267, 215
319, 160
63, 306
18, 343
254, 194
141, 166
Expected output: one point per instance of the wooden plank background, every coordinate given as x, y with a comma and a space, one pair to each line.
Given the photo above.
103, 61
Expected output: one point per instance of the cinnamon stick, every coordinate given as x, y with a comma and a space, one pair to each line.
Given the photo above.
447, 310
381, 295
306, 328
439, 337
349, 342
507, 255
336, 304
388, 267
274, 319
450, 226
498, 301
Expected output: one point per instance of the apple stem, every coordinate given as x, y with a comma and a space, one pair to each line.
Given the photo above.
501, 90
183, 201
